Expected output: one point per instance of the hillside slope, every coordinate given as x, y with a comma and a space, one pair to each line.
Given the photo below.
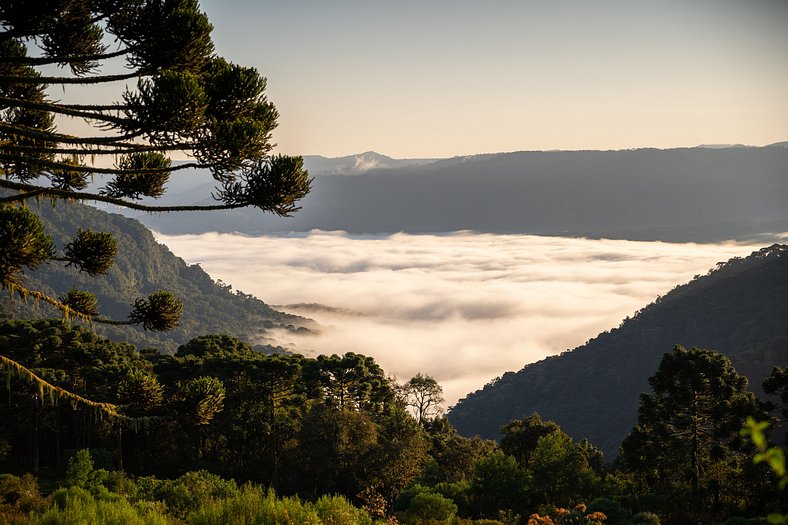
144, 266
691, 194
739, 309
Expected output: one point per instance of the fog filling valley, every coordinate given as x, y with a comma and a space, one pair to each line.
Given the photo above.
462, 307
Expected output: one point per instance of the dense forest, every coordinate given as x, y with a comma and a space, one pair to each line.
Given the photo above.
739, 308
219, 430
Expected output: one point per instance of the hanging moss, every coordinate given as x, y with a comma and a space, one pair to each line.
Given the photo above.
55, 394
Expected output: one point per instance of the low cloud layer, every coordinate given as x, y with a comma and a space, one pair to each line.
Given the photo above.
463, 308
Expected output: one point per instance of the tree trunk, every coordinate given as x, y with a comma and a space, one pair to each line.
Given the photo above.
119, 447
35, 453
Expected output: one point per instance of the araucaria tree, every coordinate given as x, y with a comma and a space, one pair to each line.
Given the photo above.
687, 444
174, 95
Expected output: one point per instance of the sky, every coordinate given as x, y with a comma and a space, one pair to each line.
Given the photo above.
462, 307
414, 79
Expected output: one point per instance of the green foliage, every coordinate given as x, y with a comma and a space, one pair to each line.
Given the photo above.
92, 252
612, 509
645, 518
79, 470
23, 243
140, 391
80, 301
336, 510
687, 442
192, 490
144, 175
76, 506
19, 494
429, 509
160, 311
521, 436
255, 505
772, 456
498, 483
561, 474
202, 398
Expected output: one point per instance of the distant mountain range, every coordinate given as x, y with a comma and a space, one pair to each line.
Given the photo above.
143, 266
740, 309
358, 164
690, 194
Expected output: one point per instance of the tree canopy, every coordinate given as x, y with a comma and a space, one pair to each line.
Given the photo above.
185, 100
687, 440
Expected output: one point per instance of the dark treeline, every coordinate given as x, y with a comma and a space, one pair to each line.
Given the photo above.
218, 411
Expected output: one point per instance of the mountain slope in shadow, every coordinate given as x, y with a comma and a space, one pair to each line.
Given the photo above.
740, 309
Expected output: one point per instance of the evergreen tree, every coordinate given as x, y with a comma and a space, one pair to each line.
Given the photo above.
686, 445
187, 99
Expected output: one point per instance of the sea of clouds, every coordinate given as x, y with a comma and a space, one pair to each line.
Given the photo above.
461, 307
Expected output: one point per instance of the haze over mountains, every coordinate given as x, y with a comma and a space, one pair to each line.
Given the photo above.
702, 194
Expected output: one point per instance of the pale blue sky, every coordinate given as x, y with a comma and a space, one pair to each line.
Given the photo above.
443, 78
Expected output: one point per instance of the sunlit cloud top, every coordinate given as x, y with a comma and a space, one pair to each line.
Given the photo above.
462, 307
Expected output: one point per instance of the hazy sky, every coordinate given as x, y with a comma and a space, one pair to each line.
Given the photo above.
453, 77
464, 307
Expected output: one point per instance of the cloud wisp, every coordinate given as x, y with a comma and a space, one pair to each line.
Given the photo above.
462, 307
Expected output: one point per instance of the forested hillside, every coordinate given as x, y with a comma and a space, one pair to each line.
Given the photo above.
740, 309
143, 266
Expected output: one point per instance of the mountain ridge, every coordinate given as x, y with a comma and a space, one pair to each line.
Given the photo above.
679, 195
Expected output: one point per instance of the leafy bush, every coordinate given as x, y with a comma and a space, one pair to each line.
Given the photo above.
336, 510
407, 494
645, 518
429, 508
616, 515
79, 469
19, 494
188, 492
252, 505
118, 482
458, 492
76, 506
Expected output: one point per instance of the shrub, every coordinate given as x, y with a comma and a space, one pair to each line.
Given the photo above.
407, 494
79, 469
76, 506
612, 509
336, 510
645, 518
19, 493
252, 505
428, 508
188, 492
